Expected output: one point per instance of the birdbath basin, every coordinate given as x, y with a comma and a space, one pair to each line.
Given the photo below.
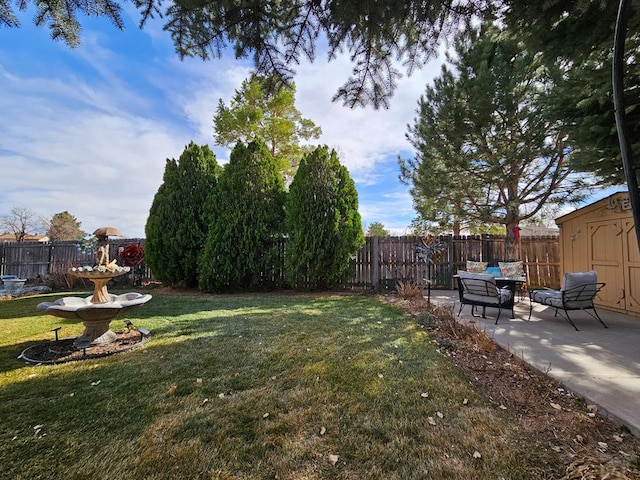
97, 310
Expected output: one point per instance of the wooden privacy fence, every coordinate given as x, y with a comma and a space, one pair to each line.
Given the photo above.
378, 265
46, 261
397, 260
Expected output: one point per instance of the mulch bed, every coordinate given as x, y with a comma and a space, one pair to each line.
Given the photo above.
63, 350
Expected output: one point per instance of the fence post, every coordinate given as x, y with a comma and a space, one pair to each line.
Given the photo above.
375, 263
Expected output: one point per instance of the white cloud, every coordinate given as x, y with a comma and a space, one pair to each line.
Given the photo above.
92, 135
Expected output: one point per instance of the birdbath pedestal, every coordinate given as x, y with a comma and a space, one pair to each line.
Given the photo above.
96, 311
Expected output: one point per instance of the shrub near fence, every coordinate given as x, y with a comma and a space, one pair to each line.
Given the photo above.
378, 265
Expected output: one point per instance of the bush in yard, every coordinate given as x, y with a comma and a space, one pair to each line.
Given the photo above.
323, 222
176, 229
246, 224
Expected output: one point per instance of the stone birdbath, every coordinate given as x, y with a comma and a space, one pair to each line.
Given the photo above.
97, 310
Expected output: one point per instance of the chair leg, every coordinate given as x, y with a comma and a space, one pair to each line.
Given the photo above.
596, 316
462, 305
499, 311
568, 318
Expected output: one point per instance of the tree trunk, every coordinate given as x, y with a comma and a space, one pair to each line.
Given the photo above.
511, 242
456, 228
512, 220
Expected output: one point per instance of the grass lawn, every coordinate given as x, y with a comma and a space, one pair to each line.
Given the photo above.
251, 387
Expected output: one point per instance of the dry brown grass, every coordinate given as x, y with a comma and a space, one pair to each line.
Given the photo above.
409, 289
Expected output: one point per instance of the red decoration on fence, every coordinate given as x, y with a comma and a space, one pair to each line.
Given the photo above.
132, 255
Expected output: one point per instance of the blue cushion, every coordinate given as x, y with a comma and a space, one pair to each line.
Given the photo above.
494, 271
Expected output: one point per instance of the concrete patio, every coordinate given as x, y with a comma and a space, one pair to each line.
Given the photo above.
600, 364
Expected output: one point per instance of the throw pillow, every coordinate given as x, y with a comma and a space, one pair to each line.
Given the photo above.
511, 269
476, 267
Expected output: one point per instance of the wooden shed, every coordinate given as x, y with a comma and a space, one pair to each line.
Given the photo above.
602, 237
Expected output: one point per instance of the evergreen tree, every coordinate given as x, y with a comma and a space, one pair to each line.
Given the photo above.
378, 36
176, 229
270, 115
578, 36
376, 229
64, 226
246, 224
323, 222
487, 147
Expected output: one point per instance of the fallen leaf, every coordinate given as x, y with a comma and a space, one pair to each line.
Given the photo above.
502, 407
380, 375
333, 459
439, 414
431, 421
172, 389
424, 394
97, 382
618, 438
603, 446
465, 401
204, 402
198, 380
221, 395
323, 431
265, 415
477, 454
556, 406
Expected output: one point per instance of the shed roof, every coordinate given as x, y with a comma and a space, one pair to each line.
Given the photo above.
611, 200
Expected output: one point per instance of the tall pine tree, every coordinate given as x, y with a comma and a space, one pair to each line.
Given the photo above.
488, 149
176, 229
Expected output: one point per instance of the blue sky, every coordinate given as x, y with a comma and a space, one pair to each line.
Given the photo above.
88, 130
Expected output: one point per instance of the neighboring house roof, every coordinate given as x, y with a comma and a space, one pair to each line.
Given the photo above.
534, 231
10, 237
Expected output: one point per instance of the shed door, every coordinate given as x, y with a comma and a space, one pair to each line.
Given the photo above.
631, 262
605, 247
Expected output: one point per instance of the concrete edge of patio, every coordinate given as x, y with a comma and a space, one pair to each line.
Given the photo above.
601, 365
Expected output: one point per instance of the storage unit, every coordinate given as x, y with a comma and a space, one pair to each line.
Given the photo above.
602, 237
